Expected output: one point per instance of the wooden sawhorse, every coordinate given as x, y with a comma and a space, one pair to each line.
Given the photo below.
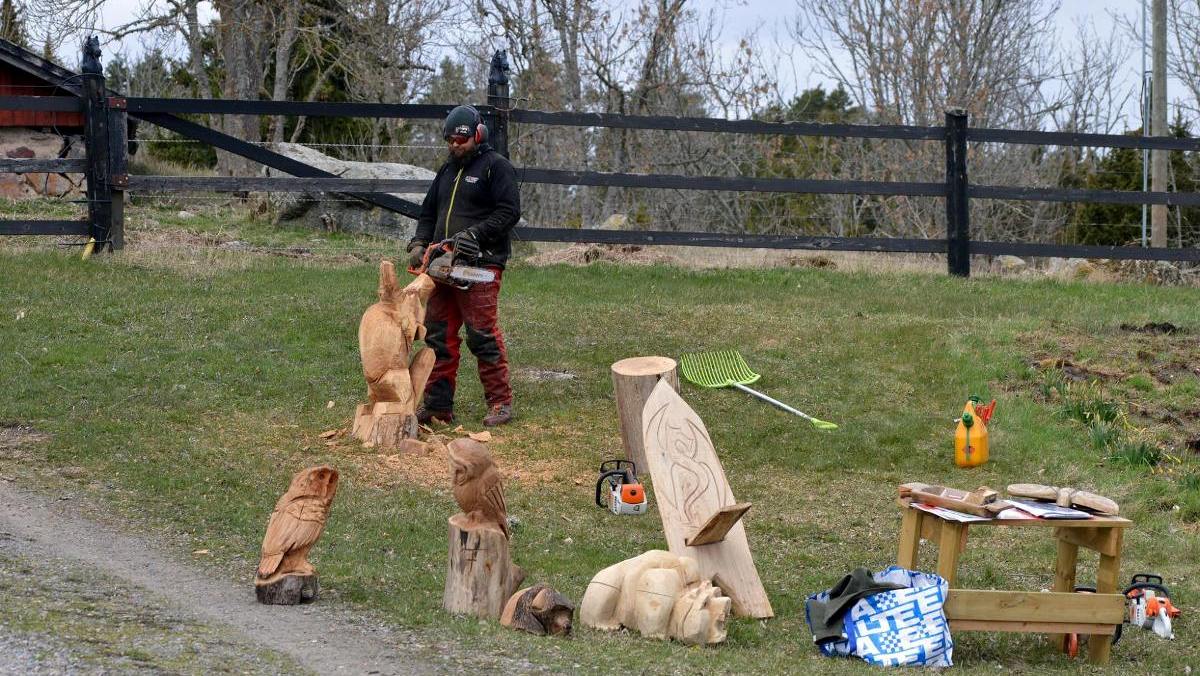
1059, 612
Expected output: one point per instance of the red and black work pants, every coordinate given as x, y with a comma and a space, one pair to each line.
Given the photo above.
448, 310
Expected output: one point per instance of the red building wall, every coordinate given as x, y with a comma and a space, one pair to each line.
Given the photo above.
16, 83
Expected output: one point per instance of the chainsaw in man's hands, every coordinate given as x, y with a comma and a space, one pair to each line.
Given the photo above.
446, 264
466, 244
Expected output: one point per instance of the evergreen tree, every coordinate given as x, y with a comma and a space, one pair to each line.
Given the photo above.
798, 157
449, 85
12, 23
1120, 224
48, 52
117, 73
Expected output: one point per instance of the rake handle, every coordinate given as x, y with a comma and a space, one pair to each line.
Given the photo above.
769, 400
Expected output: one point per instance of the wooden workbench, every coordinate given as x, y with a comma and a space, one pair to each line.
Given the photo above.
1059, 612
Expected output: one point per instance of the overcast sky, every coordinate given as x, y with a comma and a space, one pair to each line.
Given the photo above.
742, 16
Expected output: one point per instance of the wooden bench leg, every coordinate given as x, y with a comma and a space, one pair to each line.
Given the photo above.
1100, 646
1064, 581
950, 541
910, 539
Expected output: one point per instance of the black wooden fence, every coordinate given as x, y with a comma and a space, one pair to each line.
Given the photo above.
107, 177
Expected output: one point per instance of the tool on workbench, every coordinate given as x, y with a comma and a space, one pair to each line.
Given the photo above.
982, 501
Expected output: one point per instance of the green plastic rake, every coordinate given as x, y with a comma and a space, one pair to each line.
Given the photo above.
727, 368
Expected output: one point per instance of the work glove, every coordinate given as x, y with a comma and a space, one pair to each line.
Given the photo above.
416, 254
466, 243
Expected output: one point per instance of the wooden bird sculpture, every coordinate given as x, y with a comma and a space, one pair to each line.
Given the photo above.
395, 375
476, 484
386, 334
296, 524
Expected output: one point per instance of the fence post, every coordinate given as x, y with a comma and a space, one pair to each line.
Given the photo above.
497, 97
96, 140
118, 173
958, 209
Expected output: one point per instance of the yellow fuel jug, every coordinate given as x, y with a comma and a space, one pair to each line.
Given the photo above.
970, 439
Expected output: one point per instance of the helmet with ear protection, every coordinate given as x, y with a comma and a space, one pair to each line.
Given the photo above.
465, 121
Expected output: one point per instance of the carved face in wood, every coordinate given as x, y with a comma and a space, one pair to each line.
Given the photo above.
476, 483
468, 460
700, 614
320, 482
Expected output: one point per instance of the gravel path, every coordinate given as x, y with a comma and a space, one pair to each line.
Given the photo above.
82, 597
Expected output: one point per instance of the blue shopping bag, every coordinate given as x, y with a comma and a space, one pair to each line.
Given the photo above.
905, 626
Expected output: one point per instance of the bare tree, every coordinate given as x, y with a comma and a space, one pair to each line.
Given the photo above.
907, 61
1183, 59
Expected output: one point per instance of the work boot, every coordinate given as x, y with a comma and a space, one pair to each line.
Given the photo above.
498, 414
426, 416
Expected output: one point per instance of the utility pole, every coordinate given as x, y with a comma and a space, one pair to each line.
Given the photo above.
1158, 121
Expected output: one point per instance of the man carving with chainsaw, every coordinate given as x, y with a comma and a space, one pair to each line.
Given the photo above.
474, 203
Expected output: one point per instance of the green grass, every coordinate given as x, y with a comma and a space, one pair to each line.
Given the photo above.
191, 384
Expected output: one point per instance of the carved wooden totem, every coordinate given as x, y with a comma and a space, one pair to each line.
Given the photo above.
284, 574
395, 375
480, 575
701, 519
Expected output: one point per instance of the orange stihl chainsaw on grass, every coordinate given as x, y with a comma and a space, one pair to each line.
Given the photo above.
625, 495
1147, 605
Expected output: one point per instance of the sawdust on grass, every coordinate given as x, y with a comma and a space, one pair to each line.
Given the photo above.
425, 464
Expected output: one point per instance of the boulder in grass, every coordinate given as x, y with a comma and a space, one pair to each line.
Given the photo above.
339, 213
1010, 264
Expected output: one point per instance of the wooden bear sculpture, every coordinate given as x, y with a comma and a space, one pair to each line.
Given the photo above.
284, 574
480, 574
395, 375
660, 595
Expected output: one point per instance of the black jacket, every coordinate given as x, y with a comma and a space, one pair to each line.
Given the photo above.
480, 194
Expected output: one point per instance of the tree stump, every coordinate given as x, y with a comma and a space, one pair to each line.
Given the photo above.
287, 590
385, 424
633, 381
480, 575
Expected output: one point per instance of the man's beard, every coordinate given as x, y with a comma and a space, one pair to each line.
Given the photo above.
466, 157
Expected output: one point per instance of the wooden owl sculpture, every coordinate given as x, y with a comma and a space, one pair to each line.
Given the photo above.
296, 524
476, 485
385, 337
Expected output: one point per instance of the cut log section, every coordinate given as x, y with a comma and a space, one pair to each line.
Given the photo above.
633, 381
386, 424
480, 575
287, 590
718, 524
689, 487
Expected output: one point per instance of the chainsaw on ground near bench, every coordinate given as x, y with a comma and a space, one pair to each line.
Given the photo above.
444, 265
1147, 605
